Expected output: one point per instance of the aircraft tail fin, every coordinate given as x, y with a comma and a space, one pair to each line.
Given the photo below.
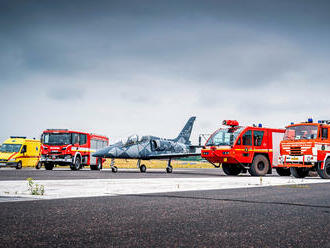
184, 136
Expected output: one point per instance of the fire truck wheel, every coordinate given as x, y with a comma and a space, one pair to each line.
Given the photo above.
99, 164
114, 169
231, 169
143, 168
38, 166
259, 166
19, 165
77, 164
325, 173
49, 166
283, 172
299, 172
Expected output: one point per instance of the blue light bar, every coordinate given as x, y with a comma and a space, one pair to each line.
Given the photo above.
259, 125
310, 120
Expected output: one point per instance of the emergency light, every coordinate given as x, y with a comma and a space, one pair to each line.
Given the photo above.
231, 123
310, 120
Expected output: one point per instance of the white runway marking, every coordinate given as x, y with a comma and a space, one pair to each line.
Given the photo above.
56, 189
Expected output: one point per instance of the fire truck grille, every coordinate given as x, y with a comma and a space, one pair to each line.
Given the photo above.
295, 151
55, 152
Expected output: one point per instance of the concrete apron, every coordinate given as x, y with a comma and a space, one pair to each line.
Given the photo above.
56, 189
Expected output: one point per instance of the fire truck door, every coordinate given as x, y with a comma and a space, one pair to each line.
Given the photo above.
244, 147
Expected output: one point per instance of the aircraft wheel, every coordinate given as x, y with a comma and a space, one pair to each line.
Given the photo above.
283, 172
38, 166
299, 172
19, 165
169, 169
49, 166
231, 169
325, 173
143, 168
114, 169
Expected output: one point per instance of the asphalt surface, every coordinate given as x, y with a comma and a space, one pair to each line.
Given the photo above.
8, 174
283, 216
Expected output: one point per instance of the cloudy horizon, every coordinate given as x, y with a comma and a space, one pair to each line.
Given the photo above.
117, 68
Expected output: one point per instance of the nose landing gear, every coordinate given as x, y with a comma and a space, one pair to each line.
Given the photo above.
169, 167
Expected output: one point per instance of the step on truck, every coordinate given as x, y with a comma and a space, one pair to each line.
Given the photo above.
239, 149
306, 147
66, 147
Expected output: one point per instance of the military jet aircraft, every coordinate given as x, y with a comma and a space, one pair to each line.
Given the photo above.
151, 147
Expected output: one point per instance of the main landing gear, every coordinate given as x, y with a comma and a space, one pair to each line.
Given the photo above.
142, 167
114, 168
169, 167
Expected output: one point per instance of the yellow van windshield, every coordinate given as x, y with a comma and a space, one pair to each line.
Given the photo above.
10, 148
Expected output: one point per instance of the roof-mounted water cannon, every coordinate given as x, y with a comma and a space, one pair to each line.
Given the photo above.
231, 123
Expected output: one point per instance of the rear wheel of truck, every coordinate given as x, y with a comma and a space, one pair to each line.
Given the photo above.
49, 166
259, 166
76, 165
283, 172
231, 169
298, 172
325, 172
19, 165
98, 166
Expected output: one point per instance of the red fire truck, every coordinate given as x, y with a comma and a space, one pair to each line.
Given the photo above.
240, 149
67, 147
306, 147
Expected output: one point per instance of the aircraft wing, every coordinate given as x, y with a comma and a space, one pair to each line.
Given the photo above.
173, 155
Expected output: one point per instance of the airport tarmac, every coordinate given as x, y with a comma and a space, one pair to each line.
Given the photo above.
191, 207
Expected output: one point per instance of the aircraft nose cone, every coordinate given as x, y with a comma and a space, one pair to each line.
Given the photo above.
100, 153
104, 153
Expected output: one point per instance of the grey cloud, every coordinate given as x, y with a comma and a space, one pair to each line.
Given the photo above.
66, 94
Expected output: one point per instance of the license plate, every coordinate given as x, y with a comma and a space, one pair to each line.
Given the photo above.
294, 158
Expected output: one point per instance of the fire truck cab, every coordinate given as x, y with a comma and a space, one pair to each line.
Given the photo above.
306, 147
240, 149
66, 147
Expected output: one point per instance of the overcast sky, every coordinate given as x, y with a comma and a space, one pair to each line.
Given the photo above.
123, 67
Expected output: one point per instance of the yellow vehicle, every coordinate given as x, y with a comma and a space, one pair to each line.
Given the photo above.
20, 152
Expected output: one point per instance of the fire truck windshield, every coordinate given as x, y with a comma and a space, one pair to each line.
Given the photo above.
56, 138
224, 137
301, 132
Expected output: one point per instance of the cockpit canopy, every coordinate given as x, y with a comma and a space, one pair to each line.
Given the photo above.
134, 139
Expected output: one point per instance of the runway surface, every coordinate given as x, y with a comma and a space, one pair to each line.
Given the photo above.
280, 216
286, 215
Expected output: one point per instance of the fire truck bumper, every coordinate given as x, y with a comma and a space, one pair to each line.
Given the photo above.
296, 161
219, 156
67, 159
